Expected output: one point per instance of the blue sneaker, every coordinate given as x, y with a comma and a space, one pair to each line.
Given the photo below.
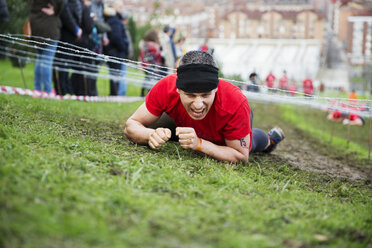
276, 135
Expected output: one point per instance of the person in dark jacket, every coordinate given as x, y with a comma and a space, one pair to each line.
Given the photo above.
118, 45
71, 32
84, 84
4, 13
45, 22
253, 86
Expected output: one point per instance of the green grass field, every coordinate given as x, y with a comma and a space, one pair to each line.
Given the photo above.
12, 76
70, 178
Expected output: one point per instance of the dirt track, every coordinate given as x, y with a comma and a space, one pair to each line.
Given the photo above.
308, 155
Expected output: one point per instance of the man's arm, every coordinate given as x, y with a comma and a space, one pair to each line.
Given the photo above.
136, 129
234, 151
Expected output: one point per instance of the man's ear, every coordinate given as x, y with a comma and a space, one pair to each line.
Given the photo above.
178, 91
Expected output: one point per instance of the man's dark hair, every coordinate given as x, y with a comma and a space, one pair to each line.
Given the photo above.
197, 57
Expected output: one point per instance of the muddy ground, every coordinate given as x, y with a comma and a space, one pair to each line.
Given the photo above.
307, 154
302, 150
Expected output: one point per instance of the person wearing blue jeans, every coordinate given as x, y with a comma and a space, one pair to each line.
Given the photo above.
43, 67
123, 83
45, 22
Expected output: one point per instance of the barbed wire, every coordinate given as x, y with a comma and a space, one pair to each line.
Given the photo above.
61, 63
94, 69
74, 48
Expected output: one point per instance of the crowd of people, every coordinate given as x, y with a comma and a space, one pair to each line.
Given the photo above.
159, 54
96, 25
99, 26
283, 85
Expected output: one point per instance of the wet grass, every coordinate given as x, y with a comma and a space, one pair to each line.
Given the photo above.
69, 178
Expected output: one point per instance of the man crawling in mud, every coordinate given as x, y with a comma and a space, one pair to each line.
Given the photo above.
203, 112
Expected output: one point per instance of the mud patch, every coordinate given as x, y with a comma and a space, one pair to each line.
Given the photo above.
309, 155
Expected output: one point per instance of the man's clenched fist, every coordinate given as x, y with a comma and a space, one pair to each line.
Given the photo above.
187, 137
159, 137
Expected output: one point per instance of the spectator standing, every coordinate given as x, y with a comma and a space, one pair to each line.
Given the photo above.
151, 58
253, 86
292, 88
123, 84
71, 31
180, 51
118, 45
353, 98
283, 82
45, 22
169, 58
270, 79
84, 84
308, 88
204, 47
99, 36
4, 13
321, 87
97, 10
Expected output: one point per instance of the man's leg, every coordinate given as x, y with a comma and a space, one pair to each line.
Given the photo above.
262, 142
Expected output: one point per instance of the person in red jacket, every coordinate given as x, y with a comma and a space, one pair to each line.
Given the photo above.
283, 81
292, 88
205, 113
308, 88
150, 56
270, 79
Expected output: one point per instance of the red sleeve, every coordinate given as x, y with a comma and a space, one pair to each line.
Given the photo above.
240, 124
163, 96
155, 98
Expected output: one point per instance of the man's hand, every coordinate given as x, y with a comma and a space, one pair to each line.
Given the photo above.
159, 137
48, 11
187, 137
79, 33
105, 41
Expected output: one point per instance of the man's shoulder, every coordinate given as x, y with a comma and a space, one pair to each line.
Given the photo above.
228, 89
163, 96
167, 85
168, 81
229, 97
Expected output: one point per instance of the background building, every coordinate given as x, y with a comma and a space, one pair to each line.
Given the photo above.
322, 39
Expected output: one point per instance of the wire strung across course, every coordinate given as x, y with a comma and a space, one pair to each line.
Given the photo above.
23, 48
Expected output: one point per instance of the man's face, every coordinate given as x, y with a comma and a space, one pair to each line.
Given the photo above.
197, 105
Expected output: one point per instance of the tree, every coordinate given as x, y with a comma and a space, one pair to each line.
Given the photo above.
137, 34
18, 14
